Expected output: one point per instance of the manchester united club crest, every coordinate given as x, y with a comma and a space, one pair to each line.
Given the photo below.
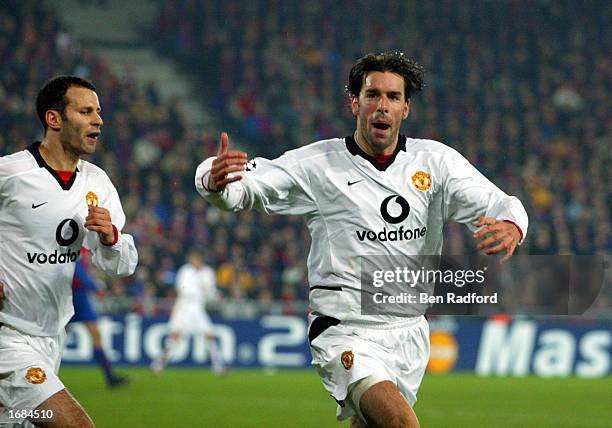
347, 359
91, 199
36, 375
421, 180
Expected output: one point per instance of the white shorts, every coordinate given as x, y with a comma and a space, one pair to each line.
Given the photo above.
189, 317
28, 370
345, 353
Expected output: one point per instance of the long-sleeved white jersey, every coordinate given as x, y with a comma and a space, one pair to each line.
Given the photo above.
196, 285
41, 232
355, 207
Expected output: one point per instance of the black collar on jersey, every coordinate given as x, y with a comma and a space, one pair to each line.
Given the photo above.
354, 149
34, 149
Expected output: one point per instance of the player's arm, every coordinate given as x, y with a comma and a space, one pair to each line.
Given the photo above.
3, 174
499, 221
114, 252
84, 277
99, 220
224, 166
275, 186
496, 236
179, 281
210, 286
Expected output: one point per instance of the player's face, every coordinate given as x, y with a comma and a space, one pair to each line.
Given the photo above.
82, 122
196, 260
380, 109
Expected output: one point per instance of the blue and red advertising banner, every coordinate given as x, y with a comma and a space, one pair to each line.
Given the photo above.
489, 346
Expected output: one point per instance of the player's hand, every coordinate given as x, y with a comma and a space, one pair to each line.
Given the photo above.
497, 236
227, 161
1, 294
99, 220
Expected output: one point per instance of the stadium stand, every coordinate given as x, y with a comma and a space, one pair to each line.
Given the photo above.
534, 117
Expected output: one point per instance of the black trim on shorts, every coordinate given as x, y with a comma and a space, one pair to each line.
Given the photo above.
325, 287
341, 403
319, 325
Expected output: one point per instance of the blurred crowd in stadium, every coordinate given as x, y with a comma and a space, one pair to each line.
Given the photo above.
520, 88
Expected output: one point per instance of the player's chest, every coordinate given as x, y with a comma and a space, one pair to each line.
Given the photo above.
393, 196
39, 206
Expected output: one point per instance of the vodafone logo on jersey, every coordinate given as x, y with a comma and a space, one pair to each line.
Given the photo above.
66, 234
400, 234
404, 205
394, 209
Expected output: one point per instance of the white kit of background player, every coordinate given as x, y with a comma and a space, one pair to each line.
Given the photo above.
195, 285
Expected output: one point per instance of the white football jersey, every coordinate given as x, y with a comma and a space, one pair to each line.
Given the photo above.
355, 207
41, 232
196, 285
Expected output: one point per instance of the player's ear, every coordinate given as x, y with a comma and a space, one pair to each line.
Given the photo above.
53, 119
354, 105
406, 111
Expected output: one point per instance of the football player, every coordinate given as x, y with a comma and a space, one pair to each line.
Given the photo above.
52, 203
372, 193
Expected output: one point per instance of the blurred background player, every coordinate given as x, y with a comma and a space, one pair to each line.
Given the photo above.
195, 284
85, 312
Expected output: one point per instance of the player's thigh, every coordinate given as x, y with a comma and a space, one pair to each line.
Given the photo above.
356, 422
383, 405
66, 410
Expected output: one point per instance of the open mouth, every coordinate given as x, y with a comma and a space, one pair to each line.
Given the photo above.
381, 125
93, 136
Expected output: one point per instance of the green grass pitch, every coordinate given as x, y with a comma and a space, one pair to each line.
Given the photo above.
183, 397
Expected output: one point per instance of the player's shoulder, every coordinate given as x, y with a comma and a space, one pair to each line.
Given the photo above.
423, 145
17, 163
208, 269
92, 171
317, 155
318, 148
186, 268
436, 151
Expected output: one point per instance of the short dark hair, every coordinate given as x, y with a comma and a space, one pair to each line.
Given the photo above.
52, 95
395, 62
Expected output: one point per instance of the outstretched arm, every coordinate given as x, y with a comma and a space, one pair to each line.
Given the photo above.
499, 221
278, 186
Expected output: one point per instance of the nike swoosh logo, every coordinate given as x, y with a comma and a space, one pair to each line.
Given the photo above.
350, 183
34, 206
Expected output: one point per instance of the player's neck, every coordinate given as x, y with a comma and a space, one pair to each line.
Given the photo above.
56, 156
374, 151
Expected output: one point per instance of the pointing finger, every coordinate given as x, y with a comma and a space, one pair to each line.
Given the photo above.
224, 144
